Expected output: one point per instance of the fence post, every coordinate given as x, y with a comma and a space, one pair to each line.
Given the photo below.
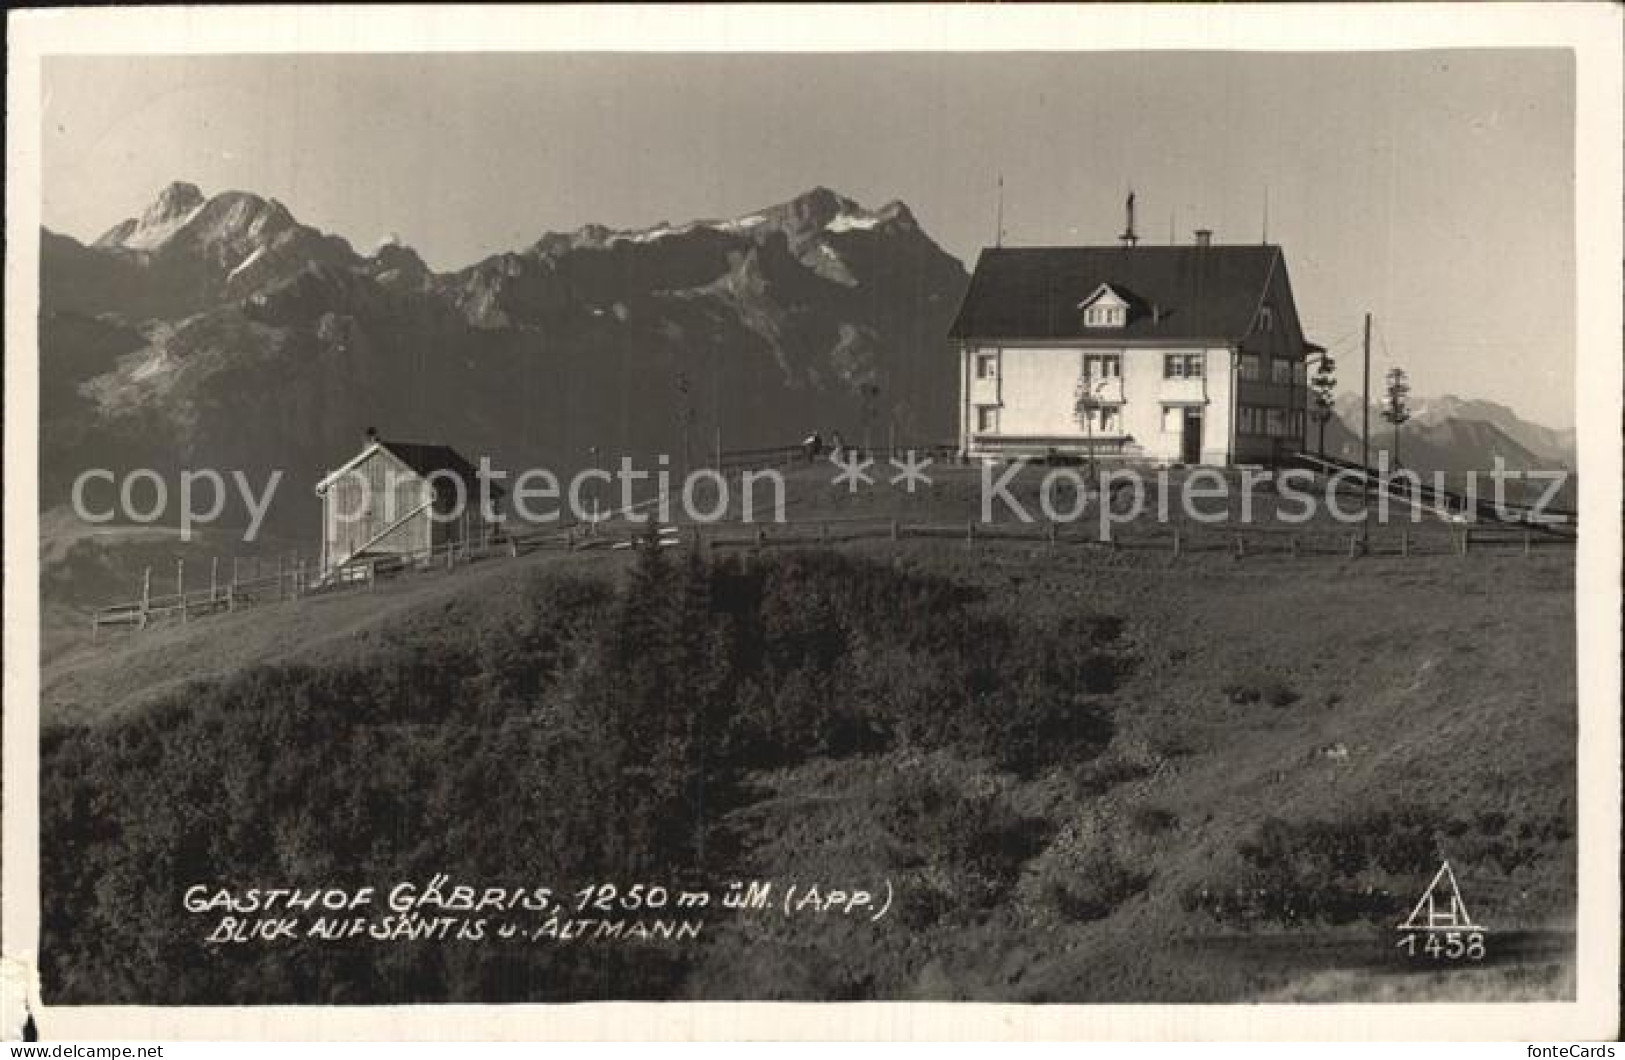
280, 595
1354, 545
1466, 540
1404, 542
761, 536
513, 548
1293, 542
1050, 534
1176, 542
372, 577
146, 596
231, 593
970, 531
180, 586
1528, 540
214, 579
894, 530
1241, 547
823, 532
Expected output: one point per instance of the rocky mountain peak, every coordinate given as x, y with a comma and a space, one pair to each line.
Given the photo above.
180, 197
175, 205
180, 208
812, 210
897, 212
394, 263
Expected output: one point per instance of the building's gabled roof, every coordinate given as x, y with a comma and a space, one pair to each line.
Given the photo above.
424, 459
1174, 292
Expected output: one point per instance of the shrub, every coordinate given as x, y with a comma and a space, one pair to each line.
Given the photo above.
1101, 885
1259, 686
1365, 867
975, 840
1152, 820
601, 735
1118, 765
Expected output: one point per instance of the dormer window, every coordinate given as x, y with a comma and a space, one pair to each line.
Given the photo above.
1105, 308
1103, 316
1266, 317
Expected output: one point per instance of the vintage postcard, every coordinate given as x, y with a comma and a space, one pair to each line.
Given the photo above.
1079, 521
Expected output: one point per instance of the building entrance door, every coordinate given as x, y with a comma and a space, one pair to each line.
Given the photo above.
1190, 441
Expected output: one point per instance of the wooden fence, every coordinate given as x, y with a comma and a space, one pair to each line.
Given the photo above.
786, 456
294, 579
1173, 539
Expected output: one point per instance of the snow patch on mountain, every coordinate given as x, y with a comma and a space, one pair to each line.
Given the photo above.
157, 364
849, 222
738, 223
665, 231
245, 263
650, 235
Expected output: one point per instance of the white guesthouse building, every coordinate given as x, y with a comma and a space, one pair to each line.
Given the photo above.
1169, 354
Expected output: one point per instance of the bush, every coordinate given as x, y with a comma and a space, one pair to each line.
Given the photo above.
1257, 686
1366, 867
1117, 765
1097, 889
603, 736
1152, 820
975, 840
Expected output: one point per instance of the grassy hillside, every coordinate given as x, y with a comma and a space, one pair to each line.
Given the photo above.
1086, 775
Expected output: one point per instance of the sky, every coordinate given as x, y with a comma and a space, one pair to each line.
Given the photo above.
1433, 189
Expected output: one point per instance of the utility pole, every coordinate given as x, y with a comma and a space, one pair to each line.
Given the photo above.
685, 418
1365, 438
592, 452
871, 394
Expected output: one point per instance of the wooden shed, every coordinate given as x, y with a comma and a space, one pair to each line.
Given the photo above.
401, 499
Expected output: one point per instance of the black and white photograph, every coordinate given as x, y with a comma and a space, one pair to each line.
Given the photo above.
1050, 525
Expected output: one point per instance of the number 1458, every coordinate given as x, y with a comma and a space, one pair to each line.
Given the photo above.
1444, 945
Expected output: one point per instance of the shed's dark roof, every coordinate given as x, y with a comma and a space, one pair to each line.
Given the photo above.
426, 460
1175, 291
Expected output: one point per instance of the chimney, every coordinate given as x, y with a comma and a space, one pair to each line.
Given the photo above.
1129, 236
372, 435
1204, 237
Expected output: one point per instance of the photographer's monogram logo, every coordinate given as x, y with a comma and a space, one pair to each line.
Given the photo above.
1440, 927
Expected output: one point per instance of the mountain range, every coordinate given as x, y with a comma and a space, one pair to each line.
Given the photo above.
220, 331
1451, 434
